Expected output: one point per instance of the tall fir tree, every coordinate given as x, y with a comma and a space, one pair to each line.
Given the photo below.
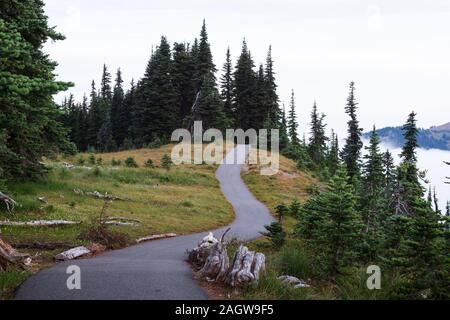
333, 154
317, 141
389, 178
272, 101
284, 138
204, 62
351, 153
119, 114
244, 91
292, 122
156, 111
227, 87
372, 198
183, 70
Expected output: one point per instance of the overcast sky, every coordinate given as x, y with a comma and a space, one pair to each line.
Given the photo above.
397, 51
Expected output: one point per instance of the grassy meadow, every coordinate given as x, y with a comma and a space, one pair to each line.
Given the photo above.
183, 199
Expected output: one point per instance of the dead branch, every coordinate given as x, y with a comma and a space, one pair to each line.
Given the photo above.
38, 223
156, 237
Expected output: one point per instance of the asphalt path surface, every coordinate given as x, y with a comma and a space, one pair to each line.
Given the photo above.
156, 269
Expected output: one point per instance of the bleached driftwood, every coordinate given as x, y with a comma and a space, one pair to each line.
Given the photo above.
67, 165
294, 281
72, 254
197, 256
156, 237
210, 258
43, 200
9, 256
38, 223
9, 202
246, 268
98, 195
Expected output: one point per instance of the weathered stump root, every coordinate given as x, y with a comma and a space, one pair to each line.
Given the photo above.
10, 257
210, 259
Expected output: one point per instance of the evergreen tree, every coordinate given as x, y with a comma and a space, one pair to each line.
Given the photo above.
273, 109
105, 86
29, 119
352, 150
372, 197
105, 140
204, 61
292, 122
227, 87
119, 113
331, 225
156, 113
389, 177
96, 117
284, 138
263, 118
317, 141
333, 154
183, 73
244, 91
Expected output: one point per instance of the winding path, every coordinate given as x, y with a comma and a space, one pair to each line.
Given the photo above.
157, 269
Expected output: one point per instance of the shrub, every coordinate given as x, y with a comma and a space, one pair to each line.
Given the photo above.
99, 161
115, 162
97, 172
166, 162
131, 163
149, 163
294, 208
92, 159
81, 160
276, 234
313, 189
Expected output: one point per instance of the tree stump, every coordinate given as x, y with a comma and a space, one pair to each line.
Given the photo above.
210, 258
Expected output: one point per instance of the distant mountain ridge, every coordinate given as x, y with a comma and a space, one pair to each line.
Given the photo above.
436, 137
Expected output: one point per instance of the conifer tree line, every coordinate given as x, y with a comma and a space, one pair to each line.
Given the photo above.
179, 87
371, 211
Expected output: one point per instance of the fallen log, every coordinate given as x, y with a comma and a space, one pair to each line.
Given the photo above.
294, 281
38, 223
156, 237
99, 195
72, 253
9, 256
9, 202
42, 245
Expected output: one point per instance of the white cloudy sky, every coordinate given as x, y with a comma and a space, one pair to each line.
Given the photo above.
397, 51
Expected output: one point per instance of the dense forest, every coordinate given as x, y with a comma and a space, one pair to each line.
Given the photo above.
179, 86
370, 212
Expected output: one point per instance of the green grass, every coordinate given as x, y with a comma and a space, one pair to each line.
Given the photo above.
184, 199
10, 280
